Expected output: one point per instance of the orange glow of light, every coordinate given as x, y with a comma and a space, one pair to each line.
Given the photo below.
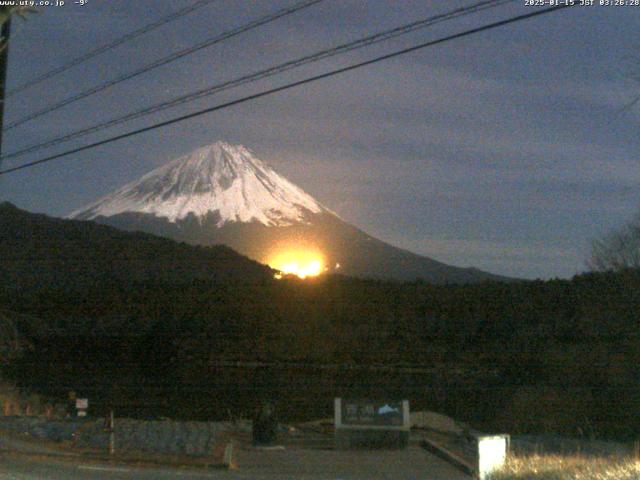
302, 264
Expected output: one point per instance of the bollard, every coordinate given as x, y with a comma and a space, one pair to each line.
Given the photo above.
265, 426
112, 434
227, 457
492, 454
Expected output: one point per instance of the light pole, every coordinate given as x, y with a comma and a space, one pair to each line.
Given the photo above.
4, 58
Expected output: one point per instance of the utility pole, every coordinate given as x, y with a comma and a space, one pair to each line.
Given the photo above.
4, 60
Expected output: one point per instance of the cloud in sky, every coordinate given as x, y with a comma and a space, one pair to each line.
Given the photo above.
506, 151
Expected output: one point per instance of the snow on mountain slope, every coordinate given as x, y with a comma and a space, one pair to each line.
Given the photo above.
220, 178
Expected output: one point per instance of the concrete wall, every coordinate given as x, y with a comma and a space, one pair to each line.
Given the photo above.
159, 436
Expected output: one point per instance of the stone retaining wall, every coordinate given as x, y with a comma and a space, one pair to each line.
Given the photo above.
157, 436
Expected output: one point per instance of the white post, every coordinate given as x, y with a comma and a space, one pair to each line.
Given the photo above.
112, 434
492, 453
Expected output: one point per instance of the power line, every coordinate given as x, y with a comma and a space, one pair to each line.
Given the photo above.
110, 46
166, 60
262, 74
288, 86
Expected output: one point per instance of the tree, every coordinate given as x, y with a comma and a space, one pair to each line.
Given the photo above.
618, 250
7, 12
12, 345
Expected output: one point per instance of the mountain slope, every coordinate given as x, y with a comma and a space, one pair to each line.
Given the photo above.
223, 194
220, 178
39, 251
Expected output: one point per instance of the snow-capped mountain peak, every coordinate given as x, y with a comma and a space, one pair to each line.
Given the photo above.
223, 179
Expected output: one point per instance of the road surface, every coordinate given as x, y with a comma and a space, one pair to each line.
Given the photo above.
411, 464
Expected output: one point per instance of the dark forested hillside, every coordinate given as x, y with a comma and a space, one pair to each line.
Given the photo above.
42, 252
557, 356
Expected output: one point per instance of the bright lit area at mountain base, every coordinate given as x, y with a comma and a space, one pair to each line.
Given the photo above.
301, 263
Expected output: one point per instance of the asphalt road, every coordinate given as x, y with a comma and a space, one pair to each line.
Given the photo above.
21, 459
22, 468
297, 464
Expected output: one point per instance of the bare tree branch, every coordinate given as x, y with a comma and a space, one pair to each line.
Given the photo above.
618, 250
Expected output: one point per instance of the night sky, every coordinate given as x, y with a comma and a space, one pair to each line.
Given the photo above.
509, 150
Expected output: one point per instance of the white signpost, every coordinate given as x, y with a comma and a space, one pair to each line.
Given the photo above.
82, 405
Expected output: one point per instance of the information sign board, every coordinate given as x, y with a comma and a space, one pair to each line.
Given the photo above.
371, 423
372, 413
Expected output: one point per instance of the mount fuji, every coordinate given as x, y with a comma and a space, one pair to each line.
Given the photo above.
223, 194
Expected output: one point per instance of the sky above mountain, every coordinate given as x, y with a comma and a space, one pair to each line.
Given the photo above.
508, 150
